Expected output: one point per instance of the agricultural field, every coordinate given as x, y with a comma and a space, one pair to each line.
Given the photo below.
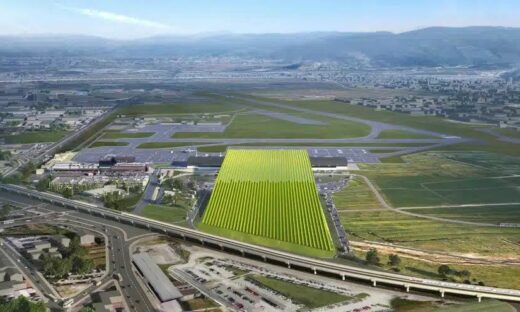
253, 125
447, 178
483, 214
356, 195
269, 197
430, 235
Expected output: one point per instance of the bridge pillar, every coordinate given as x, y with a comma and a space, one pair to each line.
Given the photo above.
374, 283
202, 241
288, 265
407, 288
265, 258
479, 298
342, 277
183, 236
442, 293
242, 252
221, 247
314, 270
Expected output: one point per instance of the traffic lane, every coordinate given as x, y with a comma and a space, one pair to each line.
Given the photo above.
130, 230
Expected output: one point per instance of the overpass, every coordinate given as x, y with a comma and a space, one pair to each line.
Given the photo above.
315, 265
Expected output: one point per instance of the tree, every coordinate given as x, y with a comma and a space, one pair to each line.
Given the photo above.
444, 270
372, 257
464, 274
394, 260
21, 304
43, 184
87, 309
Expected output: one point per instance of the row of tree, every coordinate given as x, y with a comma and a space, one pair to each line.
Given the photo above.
74, 260
372, 257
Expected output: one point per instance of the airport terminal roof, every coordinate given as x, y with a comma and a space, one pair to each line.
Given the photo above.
205, 161
329, 161
160, 283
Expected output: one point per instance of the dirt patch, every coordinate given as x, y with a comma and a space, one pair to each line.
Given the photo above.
435, 257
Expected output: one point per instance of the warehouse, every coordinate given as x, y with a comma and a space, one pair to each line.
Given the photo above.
155, 278
329, 163
205, 161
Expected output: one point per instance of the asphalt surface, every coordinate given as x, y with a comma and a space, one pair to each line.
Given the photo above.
119, 238
164, 132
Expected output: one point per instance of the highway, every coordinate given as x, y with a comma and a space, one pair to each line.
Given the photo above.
118, 238
279, 257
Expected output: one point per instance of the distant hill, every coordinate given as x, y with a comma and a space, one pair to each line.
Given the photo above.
436, 46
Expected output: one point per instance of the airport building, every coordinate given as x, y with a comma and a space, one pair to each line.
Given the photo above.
158, 282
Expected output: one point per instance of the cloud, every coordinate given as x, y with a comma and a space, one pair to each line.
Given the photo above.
124, 19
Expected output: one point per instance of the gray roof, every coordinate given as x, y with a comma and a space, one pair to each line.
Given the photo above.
160, 283
205, 161
328, 161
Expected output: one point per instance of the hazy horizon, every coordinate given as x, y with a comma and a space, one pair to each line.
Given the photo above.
133, 19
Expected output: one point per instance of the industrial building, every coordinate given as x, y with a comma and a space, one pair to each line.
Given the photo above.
329, 163
156, 279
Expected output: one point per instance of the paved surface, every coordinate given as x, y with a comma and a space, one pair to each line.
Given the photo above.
376, 126
148, 193
317, 266
119, 238
164, 132
289, 117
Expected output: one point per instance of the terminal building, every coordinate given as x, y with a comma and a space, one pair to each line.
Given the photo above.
213, 162
158, 282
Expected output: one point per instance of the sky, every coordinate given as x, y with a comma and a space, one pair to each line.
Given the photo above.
130, 19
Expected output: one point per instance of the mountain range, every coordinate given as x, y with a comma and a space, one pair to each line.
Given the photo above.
435, 46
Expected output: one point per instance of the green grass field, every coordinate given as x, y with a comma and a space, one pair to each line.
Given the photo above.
36, 136
271, 195
164, 213
127, 135
356, 195
175, 109
509, 132
444, 178
405, 230
436, 124
405, 305
108, 143
252, 125
485, 214
311, 298
402, 134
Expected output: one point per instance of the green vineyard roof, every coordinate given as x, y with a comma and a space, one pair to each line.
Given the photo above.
272, 194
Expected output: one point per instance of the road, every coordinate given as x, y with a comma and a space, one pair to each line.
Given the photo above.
146, 199
118, 238
279, 257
